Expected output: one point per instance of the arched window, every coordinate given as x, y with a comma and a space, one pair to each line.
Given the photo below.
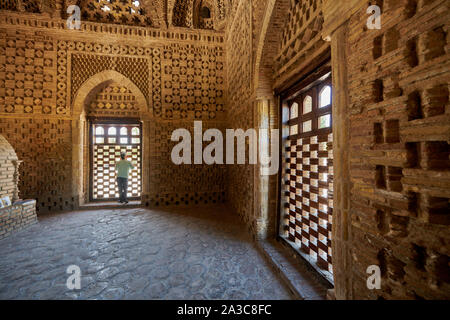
325, 97
294, 111
205, 13
307, 104
112, 131
123, 131
135, 131
99, 131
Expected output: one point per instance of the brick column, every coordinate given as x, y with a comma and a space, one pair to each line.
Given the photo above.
146, 152
77, 161
341, 225
336, 16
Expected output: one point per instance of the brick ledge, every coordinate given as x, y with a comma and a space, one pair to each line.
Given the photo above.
302, 281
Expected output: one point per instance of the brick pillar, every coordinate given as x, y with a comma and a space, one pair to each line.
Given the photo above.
265, 192
77, 161
146, 152
341, 225
261, 182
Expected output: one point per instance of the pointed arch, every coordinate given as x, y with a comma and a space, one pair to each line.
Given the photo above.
269, 34
91, 87
200, 7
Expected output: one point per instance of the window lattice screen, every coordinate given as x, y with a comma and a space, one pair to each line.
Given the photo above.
308, 176
129, 12
108, 142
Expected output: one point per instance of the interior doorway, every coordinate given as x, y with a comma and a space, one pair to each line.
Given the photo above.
108, 138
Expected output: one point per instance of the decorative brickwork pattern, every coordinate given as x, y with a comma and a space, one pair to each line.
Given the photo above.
179, 81
114, 100
8, 4
399, 150
301, 38
240, 57
182, 82
240, 178
27, 68
86, 66
182, 13
193, 82
33, 6
10, 18
184, 184
181, 75
44, 146
120, 12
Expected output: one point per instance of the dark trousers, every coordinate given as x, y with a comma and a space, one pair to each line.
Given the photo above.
122, 183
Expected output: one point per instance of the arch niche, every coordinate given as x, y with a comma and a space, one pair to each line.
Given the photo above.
80, 130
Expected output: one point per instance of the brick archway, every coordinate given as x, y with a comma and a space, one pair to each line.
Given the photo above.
85, 94
97, 82
267, 46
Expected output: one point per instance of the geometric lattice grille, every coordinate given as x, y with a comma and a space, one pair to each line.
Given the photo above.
308, 176
108, 142
129, 12
309, 186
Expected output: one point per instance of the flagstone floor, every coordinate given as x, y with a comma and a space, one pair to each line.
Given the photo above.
137, 253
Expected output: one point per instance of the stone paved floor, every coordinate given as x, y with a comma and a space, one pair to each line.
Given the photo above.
137, 254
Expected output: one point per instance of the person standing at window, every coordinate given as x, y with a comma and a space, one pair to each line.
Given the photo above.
123, 168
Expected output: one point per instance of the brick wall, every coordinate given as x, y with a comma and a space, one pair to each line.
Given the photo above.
21, 213
45, 147
398, 127
179, 73
399, 150
8, 163
398, 118
16, 217
240, 178
185, 184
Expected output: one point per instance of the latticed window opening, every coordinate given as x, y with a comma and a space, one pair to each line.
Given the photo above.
308, 176
108, 141
128, 12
